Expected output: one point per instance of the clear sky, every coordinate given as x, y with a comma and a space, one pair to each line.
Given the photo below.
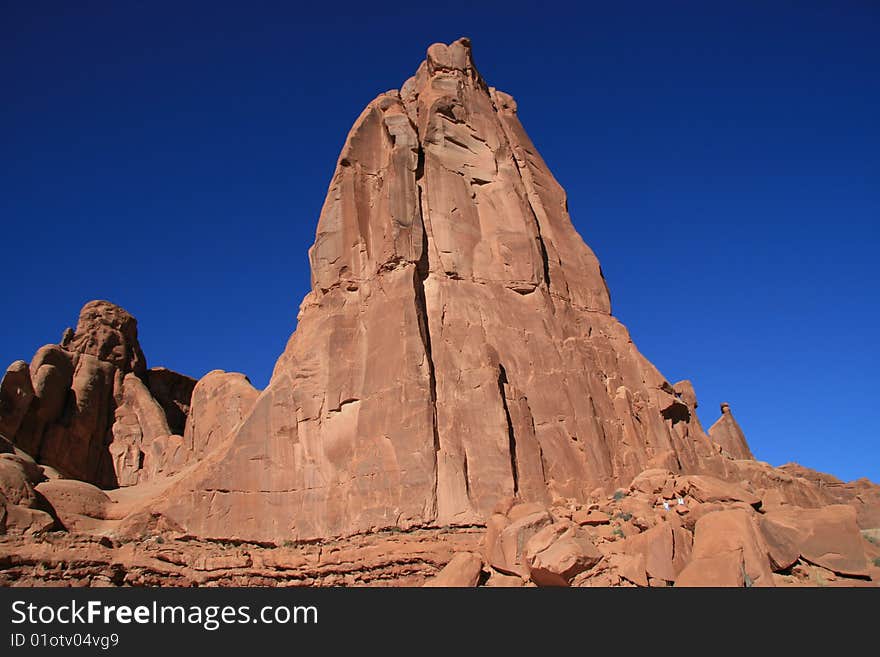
721, 158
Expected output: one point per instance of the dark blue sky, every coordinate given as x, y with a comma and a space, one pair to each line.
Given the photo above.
722, 159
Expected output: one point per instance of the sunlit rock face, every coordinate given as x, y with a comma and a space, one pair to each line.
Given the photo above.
457, 346
457, 407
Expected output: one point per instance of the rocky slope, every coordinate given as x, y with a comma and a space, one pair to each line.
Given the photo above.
457, 400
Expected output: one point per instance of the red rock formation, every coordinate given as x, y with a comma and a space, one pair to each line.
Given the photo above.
84, 407
139, 420
220, 401
173, 391
22, 509
457, 346
108, 333
16, 394
457, 407
727, 434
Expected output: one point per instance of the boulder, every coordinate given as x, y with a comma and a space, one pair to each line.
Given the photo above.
727, 540
558, 553
16, 394
684, 390
705, 488
16, 481
782, 541
590, 518
220, 401
506, 551
663, 551
22, 509
631, 567
653, 481
463, 571
22, 520
721, 570
828, 537
71, 499
500, 580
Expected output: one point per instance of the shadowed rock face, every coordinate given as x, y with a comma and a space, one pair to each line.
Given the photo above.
173, 391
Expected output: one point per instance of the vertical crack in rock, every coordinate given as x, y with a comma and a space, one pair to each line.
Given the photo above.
674, 541
419, 277
601, 275
543, 247
511, 437
467, 478
543, 464
541, 461
527, 186
544, 258
425, 332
